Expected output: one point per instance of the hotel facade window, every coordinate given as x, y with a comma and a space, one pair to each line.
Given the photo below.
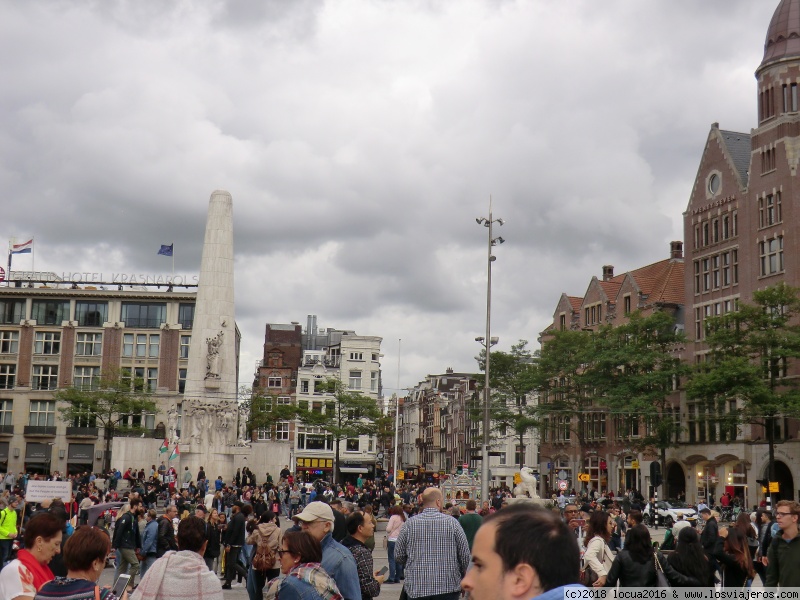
91, 314
145, 315
86, 378
45, 377
50, 312
47, 342
186, 315
89, 344
8, 375
186, 341
42, 413
5, 412
12, 311
9, 342
141, 345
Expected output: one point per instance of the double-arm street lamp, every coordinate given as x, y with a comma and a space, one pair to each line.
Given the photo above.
487, 342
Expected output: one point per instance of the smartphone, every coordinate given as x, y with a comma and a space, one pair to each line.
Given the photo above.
120, 584
578, 522
383, 571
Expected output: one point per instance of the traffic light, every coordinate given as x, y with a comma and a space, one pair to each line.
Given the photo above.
655, 473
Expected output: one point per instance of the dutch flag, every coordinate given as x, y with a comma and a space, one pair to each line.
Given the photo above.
24, 248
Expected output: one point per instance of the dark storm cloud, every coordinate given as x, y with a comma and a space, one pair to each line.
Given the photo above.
360, 141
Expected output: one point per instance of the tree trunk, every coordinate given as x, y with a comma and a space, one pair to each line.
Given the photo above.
109, 433
770, 423
663, 485
336, 463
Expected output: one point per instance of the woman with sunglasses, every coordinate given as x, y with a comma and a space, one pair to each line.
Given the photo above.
303, 576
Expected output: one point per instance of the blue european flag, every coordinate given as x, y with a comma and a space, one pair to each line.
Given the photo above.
166, 250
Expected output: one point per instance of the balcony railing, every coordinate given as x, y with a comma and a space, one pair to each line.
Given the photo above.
328, 361
6, 430
42, 430
89, 432
143, 323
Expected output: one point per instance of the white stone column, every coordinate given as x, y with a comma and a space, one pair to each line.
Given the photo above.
211, 374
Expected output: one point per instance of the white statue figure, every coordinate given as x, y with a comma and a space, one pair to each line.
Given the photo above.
213, 358
243, 441
226, 424
528, 485
172, 423
197, 424
209, 423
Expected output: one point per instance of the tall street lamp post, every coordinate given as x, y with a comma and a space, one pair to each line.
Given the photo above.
487, 342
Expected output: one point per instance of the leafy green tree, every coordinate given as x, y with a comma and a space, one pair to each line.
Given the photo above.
347, 414
513, 376
116, 398
749, 363
265, 412
635, 374
566, 394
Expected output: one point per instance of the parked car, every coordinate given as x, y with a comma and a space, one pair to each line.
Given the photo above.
669, 511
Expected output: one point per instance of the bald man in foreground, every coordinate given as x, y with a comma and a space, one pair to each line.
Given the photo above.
434, 550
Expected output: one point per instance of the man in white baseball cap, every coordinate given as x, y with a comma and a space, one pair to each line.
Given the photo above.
317, 519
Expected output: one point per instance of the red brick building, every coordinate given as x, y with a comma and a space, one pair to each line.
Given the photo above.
741, 236
592, 443
276, 376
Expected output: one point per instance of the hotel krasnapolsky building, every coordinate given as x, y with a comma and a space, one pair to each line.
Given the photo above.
741, 234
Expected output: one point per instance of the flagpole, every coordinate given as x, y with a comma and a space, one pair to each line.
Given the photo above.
173, 262
33, 260
8, 275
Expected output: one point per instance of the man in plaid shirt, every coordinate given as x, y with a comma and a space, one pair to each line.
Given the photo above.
434, 550
360, 530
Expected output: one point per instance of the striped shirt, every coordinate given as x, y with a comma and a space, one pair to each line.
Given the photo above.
435, 552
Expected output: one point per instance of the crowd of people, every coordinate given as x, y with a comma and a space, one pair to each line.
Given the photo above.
208, 535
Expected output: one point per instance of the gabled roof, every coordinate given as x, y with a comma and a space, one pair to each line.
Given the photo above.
739, 149
611, 288
575, 302
661, 282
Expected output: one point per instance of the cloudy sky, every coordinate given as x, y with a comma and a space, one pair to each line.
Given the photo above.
360, 139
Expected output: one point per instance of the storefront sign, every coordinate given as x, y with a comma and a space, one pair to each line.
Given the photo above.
81, 453
314, 463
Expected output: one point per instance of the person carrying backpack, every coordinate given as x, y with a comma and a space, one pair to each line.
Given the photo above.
265, 566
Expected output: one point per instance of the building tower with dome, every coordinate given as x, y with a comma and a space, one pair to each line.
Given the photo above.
741, 235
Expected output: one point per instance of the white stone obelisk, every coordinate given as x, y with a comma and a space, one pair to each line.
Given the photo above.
209, 422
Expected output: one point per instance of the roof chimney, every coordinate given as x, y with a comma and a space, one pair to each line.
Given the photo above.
608, 272
676, 249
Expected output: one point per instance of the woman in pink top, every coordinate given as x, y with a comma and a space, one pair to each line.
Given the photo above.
396, 522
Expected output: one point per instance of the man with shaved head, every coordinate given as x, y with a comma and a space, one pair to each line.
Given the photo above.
434, 550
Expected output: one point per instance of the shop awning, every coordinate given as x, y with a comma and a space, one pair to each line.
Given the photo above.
354, 470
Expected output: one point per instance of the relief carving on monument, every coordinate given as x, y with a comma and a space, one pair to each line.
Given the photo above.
210, 424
